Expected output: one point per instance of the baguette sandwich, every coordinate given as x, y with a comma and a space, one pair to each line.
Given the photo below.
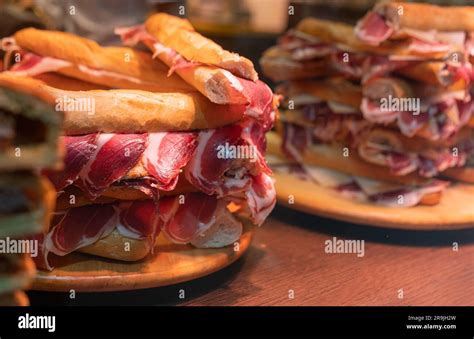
326, 48
30, 130
221, 76
141, 163
430, 24
33, 52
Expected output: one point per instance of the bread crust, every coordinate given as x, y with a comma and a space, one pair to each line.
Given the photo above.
64, 82
383, 87
218, 85
331, 156
278, 66
330, 89
115, 246
332, 32
179, 35
120, 60
429, 72
133, 111
428, 17
414, 144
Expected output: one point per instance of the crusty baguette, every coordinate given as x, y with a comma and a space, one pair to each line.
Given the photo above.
83, 52
277, 64
414, 144
133, 111
429, 72
218, 85
115, 246
330, 89
383, 87
322, 157
179, 35
332, 32
427, 16
57, 80
331, 156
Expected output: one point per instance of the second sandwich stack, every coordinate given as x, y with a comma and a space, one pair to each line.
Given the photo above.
383, 119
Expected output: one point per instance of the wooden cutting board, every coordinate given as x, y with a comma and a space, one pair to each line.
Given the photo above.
455, 211
170, 264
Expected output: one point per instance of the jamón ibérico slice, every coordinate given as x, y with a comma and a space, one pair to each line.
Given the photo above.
81, 226
260, 98
296, 140
225, 159
186, 216
261, 198
32, 64
410, 123
166, 155
79, 150
372, 29
139, 219
116, 154
254, 135
207, 167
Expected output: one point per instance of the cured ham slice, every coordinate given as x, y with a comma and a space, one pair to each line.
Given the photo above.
373, 29
295, 141
201, 220
82, 226
427, 163
94, 162
166, 154
139, 219
77, 228
207, 168
261, 198
260, 98
366, 190
33, 64
225, 159
116, 154
79, 150
186, 216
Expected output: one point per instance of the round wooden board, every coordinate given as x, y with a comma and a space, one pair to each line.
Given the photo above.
170, 264
455, 211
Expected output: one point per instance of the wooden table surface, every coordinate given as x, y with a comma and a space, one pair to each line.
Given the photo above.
287, 265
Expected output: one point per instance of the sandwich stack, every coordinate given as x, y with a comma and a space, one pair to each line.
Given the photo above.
381, 112
29, 133
166, 144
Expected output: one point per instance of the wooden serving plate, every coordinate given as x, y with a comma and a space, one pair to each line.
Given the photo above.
455, 211
170, 264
